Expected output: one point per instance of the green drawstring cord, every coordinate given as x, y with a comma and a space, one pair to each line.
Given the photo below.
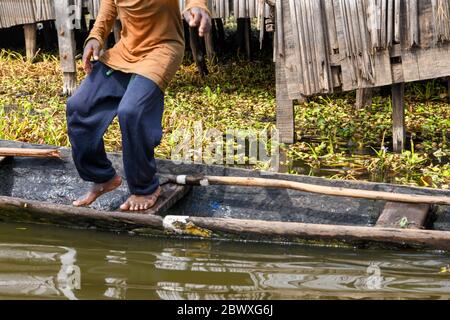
109, 72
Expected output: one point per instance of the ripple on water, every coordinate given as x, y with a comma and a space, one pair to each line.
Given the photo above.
41, 262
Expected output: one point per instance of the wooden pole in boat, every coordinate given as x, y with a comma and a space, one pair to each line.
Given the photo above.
36, 153
305, 187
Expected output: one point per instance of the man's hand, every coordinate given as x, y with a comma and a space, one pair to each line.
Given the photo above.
92, 49
198, 17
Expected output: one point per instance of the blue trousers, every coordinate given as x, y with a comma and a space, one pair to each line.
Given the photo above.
138, 102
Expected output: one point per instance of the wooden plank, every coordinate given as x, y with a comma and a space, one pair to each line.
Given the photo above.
398, 117
384, 23
382, 63
397, 21
30, 40
413, 16
331, 26
279, 29
285, 106
425, 24
363, 97
426, 64
292, 64
322, 62
297, 69
404, 215
397, 73
67, 46
349, 81
171, 194
390, 23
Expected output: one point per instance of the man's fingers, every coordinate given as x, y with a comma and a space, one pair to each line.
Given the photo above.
88, 67
187, 16
96, 52
87, 54
197, 17
87, 59
205, 25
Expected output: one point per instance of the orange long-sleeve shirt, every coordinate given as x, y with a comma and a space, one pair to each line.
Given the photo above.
152, 37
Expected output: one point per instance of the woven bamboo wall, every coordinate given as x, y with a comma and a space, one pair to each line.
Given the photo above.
237, 8
17, 12
326, 45
219, 8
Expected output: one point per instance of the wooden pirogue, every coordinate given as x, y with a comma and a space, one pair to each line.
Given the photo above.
40, 190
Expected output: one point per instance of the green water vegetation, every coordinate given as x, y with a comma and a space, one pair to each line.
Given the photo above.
335, 139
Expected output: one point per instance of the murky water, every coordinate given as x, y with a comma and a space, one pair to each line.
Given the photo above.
52, 263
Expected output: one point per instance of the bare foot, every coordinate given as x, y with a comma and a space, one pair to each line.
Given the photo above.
97, 190
141, 203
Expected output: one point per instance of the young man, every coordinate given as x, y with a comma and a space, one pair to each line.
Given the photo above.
128, 81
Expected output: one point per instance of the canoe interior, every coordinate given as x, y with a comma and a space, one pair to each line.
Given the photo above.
56, 181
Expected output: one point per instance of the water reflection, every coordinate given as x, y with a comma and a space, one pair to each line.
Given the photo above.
38, 270
60, 263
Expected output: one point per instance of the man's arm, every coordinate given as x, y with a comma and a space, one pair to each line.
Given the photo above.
196, 14
102, 28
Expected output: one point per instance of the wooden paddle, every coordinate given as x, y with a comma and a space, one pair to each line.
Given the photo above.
326, 190
36, 153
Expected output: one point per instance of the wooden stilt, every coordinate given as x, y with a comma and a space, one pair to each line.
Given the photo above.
30, 40
240, 34
197, 51
363, 98
448, 87
220, 32
285, 106
248, 38
244, 36
398, 117
209, 43
67, 46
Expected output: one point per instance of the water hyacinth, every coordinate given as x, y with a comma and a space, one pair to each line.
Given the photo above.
335, 140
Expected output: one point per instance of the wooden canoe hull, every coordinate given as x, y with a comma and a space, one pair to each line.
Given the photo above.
41, 191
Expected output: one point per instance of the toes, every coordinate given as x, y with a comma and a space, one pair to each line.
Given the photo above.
125, 206
82, 202
152, 201
139, 204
